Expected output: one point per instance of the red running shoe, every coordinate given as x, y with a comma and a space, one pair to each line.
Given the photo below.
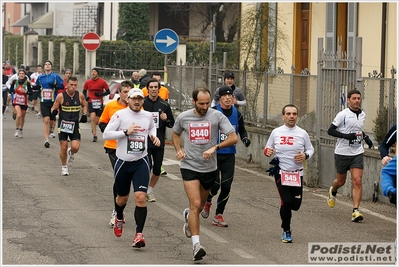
118, 227
138, 241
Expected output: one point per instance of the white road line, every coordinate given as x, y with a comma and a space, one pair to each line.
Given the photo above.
242, 253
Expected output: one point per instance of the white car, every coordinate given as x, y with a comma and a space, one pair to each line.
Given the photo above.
114, 91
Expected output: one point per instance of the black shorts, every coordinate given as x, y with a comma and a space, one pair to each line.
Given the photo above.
156, 157
72, 136
98, 111
345, 163
207, 179
23, 107
45, 109
34, 96
131, 172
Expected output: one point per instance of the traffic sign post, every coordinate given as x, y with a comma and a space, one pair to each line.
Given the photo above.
91, 42
166, 41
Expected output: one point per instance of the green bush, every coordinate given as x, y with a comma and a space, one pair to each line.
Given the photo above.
380, 128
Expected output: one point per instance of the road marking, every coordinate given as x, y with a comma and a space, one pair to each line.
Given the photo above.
242, 253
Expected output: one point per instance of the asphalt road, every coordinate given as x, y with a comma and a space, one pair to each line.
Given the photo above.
54, 219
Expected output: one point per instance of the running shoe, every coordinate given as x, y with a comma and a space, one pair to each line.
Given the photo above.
151, 197
46, 143
218, 221
71, 157
138, 241
94, 138
206, 209
113, 217
7, 110
118, 227
331, 198
14, 116
357, 216
286, 237
186, 229
163, 172
52, 135
198, 252
64, 171
20, 134
39, 116
16, 133
4, 117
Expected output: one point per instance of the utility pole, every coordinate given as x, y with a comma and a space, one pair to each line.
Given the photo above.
212, 49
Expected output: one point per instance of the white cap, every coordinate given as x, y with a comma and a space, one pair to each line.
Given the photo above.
135, 92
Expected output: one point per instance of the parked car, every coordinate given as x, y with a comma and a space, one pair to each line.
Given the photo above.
113, 85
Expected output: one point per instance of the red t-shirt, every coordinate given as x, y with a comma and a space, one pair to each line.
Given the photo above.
92, 86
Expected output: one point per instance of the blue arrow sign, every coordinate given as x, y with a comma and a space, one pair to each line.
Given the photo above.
166, 41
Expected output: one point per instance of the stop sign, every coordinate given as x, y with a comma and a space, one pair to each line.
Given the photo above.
91, 41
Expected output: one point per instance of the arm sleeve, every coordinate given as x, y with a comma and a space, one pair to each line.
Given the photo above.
241, 127
170, 121
333, 132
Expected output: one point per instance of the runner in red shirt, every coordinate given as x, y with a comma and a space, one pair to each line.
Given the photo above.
94, 89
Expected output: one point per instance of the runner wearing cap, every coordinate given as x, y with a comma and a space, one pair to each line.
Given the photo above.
238, 95
131, 127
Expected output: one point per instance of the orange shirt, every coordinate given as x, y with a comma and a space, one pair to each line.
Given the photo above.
108, 111
163, 92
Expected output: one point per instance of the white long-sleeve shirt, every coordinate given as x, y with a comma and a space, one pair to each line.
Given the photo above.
134, 146
287, 142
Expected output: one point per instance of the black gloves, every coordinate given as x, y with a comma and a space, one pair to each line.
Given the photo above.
87, 98
246, 141
368, 141
98, 94
55, 112
350, 136
83, 119
392, 197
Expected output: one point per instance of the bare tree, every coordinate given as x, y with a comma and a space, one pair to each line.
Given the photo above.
227, 17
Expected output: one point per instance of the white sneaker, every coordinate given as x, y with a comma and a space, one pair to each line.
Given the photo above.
16, 133
71, 157
151, 197
7, 109
39, 116
113, 217
64, 171
4, 117
20, 134
52, 135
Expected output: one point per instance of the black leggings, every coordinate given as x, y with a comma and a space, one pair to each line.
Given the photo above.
5, 95
291, 199
226, 165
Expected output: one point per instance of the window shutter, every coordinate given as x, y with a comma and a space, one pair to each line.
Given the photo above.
331, 26
352, 28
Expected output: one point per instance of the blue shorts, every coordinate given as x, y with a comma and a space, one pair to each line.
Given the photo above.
136, 173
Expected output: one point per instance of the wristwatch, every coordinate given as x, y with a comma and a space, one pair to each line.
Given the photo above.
306, 155
217, 147
125, 132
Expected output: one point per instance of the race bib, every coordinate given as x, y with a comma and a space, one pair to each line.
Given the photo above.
19, 99
155, 117
67, 126
47, 94
135, 144
96, 103
290, 178
200, 132
358, 141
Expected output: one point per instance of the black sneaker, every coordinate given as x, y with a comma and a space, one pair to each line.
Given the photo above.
47, 144
94, 138
14, 116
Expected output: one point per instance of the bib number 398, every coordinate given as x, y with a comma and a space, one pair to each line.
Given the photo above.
291, 178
